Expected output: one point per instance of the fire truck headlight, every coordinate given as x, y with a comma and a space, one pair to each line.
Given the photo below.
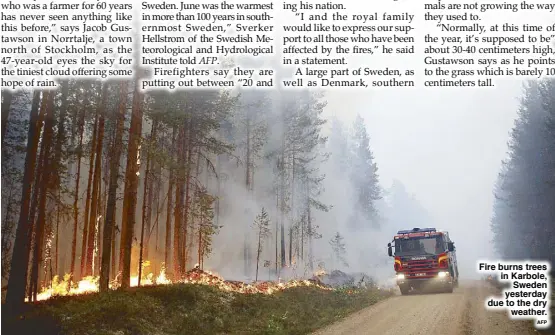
400, 276
443, 274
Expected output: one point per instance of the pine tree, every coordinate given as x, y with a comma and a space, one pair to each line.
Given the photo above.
250, 131
109, 222
339, 250
405, 209
15, 295
131, 185
339, 145
364, 177
523, 213
262, 226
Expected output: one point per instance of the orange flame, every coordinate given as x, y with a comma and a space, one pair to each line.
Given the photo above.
195, 276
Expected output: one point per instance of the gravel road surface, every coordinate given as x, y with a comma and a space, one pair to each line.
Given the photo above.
459, 313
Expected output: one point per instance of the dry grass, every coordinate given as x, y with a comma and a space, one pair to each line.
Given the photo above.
191, 309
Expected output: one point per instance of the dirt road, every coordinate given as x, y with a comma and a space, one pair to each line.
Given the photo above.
459, 313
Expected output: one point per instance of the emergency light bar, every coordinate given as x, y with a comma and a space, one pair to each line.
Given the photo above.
417, 230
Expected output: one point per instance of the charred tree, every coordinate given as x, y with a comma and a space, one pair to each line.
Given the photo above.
147, 205
110, 220
81, 130
188, 185
88, 198
94, 207
178, 213
168, 246
132, 183
45, 185
15, 295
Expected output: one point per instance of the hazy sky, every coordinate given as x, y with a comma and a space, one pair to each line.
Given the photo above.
445, 147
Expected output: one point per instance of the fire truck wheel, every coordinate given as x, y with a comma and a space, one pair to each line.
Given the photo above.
404, 290
449, 288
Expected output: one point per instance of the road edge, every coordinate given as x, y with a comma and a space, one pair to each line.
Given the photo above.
551, 331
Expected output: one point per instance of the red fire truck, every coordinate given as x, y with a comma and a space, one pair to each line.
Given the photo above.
424, 258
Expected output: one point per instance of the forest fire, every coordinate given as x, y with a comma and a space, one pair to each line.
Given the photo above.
195, 276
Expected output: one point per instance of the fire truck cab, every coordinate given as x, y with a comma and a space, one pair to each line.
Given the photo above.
424, 258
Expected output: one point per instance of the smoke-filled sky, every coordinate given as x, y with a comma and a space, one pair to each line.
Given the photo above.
445, 144
446, 148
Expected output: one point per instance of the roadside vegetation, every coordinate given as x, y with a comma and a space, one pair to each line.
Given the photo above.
191, 309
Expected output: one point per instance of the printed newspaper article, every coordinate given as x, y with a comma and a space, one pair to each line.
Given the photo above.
277, 167
319, 45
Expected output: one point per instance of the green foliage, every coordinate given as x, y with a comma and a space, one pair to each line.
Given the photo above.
194, 309
262, 225
203, 211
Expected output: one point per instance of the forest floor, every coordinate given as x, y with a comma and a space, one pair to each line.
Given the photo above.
191, 309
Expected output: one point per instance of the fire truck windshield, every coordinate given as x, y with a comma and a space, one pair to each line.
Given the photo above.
419, 246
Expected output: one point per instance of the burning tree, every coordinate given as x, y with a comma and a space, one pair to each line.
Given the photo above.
82, 159
338, 247
262, 224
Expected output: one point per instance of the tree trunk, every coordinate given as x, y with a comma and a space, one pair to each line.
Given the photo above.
132, 182
60, 136
100, 235
47, 249
248, 157
45, 185
88, 199
36, 187
248, 189
151, 192
167, 253
292, 213
277, 229
310, 233
187, 189
110, 219
81, 125
57, 234
147, 199
15, 295
114, 253
123, 235
282, 210
6, 105
57, 161
196, 197
94, 209
291, 245
292, 232
179, 199
305, 218
257, 256
218, 189
158, 205
200, 245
